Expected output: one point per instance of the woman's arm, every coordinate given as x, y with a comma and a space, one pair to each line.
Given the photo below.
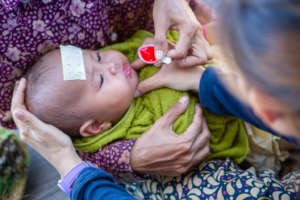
215, 96
92, 184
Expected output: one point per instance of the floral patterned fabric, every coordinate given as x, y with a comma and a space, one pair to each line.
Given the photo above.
30, 28
218, 180
114, 159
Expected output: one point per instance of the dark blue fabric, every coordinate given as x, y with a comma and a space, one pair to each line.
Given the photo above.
93, 183
215, 97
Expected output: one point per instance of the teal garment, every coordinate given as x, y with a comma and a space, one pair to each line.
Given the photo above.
228, 135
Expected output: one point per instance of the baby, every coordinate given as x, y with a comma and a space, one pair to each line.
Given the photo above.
102, 108
82, 107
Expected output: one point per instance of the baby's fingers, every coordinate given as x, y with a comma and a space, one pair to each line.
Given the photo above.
149, 84
138, 64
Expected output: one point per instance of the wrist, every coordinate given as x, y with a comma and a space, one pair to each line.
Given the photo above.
66, 183
65, 161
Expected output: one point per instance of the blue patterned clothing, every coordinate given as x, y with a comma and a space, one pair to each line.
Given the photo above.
217, 179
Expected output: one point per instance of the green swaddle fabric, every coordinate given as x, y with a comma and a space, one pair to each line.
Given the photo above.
228, 135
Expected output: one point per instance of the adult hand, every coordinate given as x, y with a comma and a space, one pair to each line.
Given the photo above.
161, 151
49, 141
174, 77
179, 16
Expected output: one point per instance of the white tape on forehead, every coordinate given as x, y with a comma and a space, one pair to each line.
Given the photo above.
72, 63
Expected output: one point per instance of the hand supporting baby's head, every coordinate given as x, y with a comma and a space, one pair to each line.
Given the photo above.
81, 107
47, 98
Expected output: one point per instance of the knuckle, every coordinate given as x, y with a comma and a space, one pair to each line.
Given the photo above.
185, 146
161, 122
178, 107
207, 151
197, 122
184, 62
207, 134
181, 170
187, 159
203, 58
192, 28
182, 54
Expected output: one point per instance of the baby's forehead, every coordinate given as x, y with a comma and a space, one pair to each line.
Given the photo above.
54, 60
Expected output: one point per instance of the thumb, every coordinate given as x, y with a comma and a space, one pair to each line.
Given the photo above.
28, 119
175, 111
149, 84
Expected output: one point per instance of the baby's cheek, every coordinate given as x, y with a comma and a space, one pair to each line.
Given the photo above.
122, 98
118, 109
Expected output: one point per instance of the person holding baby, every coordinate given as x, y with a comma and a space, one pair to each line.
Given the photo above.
276, 115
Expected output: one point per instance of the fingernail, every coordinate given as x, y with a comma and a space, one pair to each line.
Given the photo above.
184, 100
136, 94
159, 54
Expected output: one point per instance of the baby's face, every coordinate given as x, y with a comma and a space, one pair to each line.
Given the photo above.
109, 88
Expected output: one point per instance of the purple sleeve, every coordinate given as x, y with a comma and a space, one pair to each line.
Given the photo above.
114, 159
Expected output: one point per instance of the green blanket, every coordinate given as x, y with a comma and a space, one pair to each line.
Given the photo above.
228, 135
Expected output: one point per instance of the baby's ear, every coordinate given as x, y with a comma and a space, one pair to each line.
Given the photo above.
93, 127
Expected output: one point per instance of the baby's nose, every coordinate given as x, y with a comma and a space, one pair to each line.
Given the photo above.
112, 68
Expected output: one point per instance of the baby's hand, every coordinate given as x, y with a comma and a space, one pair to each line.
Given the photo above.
172, 76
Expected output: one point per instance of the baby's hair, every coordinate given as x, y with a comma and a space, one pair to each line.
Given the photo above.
40, 93
264, 36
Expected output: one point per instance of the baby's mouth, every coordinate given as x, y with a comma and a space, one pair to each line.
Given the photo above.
127, 71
